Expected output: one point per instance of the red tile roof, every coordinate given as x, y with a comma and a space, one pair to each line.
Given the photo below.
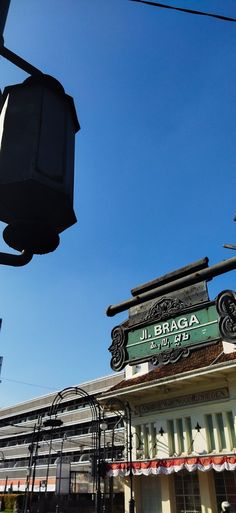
198, 358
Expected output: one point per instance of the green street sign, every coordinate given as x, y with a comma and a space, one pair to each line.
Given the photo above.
185, 330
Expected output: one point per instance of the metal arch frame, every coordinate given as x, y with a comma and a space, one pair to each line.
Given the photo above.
70, 391
95, 409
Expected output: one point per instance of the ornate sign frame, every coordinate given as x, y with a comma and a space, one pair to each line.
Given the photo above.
164, 308
226, 308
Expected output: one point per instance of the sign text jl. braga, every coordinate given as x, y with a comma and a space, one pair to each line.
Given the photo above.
187, 329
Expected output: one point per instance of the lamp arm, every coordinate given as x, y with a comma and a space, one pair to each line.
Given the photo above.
18, 61
17, 260
229, 246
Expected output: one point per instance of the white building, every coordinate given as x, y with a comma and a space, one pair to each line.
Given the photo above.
66, 450
179, 352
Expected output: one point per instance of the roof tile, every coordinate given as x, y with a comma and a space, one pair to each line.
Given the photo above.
198, 358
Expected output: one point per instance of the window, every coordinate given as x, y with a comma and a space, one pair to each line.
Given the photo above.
145, 440
139, 443
180, 435
136, 369
189, 438
231, 430
210, 433
171, 438
150, 496
220, 431
154, 441
187, 494
85, 457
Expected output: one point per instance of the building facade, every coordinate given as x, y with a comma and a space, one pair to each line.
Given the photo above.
167, 431
40, 458
183, 434
178, 351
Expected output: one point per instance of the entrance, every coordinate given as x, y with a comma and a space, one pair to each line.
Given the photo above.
150, 494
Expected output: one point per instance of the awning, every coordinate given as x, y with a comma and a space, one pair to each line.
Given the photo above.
171, 465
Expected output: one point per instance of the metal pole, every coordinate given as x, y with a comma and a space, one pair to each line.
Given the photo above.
99, 502
60, 470
5, 486
35, 456
29, 472
116, 405
111, 480
48, 465
104, 479
4, 6
132, 501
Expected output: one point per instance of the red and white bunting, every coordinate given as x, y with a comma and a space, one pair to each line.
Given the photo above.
171, 465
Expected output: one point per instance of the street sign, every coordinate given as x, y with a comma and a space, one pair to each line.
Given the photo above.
184, 330
171, 332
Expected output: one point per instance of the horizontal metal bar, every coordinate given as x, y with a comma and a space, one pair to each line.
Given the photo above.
205, 274
18, 61
166, 278
229, 246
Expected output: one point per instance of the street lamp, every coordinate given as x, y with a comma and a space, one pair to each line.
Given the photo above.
115, 404
38, 123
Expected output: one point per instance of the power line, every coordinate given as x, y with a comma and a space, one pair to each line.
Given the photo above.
29, 384
182, 9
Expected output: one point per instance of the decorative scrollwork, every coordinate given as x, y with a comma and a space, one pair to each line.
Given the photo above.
164, 308
171, 356
117, 348
226, 307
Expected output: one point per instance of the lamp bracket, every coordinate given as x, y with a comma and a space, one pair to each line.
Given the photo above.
17, 60
16, 260
229, 246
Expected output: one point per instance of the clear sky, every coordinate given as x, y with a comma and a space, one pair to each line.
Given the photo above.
154, 176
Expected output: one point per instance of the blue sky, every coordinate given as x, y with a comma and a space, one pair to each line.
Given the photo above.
154, 176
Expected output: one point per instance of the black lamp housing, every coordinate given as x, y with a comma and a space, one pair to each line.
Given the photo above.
38, 123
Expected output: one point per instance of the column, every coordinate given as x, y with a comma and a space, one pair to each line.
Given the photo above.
207, 492
167, 494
